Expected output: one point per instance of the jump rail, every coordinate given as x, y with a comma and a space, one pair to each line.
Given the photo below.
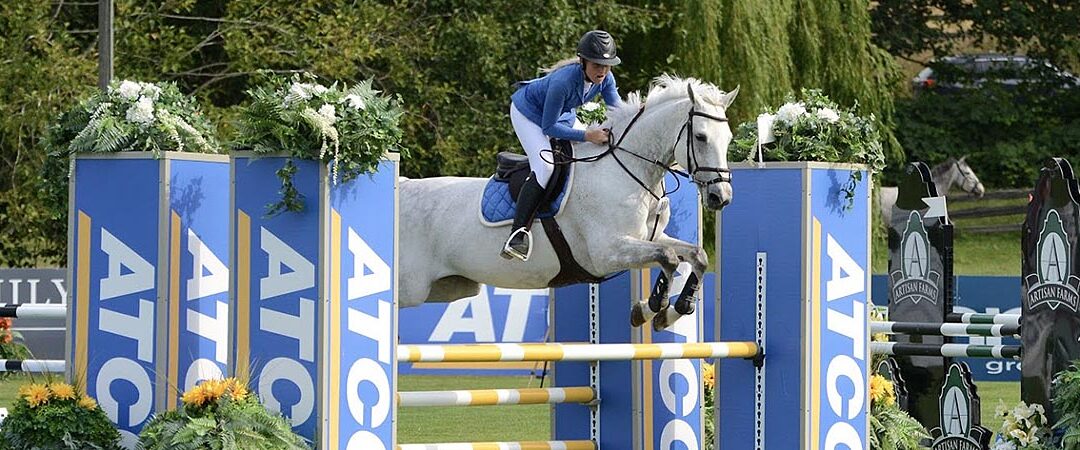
573, 352
490, 397
32, 311
1003, 319
945, 329
33, 365
946, 350
536, 445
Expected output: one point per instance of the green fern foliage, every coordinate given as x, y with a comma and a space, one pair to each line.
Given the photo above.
350, 128
894, 429
1066, 401
129, 116
133, 116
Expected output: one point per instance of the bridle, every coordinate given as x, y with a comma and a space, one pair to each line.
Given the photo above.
722, 174
966, 176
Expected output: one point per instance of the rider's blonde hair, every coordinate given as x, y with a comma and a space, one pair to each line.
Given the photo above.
560, 64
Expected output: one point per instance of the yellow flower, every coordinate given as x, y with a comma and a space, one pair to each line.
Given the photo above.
194, 397
87, 402
35, 394
881, 390
215, 389
62, 390
238, 390
879, 337
708, 375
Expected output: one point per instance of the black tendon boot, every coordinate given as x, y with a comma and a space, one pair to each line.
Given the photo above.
519, 245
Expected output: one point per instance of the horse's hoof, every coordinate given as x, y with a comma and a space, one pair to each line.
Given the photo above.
660, 322
637, 316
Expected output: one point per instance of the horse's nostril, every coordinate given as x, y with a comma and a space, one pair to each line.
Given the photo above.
713, 198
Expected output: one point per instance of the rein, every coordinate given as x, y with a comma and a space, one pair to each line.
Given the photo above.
722, 174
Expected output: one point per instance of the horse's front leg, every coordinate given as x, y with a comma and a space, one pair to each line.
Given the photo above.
684, 304
629, 252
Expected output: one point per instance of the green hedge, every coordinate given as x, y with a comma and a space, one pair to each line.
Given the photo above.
1005, 133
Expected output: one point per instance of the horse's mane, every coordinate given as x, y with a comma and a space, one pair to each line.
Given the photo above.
665, 88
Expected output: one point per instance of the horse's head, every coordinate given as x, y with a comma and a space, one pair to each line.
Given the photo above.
967, 180
702, 146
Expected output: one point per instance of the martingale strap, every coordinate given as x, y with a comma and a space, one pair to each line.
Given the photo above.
570, 272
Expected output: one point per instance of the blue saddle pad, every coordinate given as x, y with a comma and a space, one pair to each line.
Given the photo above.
496, 206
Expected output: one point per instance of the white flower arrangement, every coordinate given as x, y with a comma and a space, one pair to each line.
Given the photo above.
812, 128
348, 127
593, 112
133, 116
1023, 427
790, 113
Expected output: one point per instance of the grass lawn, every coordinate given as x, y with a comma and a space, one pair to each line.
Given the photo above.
990, 394
490, 423
512, 423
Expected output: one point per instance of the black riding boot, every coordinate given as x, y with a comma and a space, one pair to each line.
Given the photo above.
519, 245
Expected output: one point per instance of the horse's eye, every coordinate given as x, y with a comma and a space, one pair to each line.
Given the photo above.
700, 137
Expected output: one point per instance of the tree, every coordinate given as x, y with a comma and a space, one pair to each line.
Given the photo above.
43, 71
1042, 28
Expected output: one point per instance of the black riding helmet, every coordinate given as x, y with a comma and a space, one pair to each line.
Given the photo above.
599, 47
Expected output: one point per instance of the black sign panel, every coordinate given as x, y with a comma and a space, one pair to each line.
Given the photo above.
920, 280
960, 427
1050, 281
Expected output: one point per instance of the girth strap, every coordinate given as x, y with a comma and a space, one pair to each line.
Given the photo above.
570, 272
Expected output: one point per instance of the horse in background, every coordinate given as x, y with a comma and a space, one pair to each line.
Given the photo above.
952, 172
610, 215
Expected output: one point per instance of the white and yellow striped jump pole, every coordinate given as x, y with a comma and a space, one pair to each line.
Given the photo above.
537, 445
491, 397
573, 352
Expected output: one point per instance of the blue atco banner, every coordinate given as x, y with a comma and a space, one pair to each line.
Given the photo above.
979, 294
839, 277
361, 331
494, 315
277, 317
199, 274
115, 259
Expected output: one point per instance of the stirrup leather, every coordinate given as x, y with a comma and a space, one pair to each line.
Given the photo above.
508, 250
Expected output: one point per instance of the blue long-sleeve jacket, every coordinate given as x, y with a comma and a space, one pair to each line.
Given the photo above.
545, 100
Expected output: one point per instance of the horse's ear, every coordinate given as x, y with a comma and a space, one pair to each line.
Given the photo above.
729, 97
962, 158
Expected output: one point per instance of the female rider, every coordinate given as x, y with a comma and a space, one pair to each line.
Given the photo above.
538, 111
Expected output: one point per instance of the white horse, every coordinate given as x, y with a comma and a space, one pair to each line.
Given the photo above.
607, 217
952, 172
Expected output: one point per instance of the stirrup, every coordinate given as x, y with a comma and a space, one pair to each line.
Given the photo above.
510, 252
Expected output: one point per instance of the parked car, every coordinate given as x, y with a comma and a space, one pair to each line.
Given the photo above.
963, 72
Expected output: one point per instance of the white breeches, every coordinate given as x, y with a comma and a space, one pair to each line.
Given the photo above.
537, 145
